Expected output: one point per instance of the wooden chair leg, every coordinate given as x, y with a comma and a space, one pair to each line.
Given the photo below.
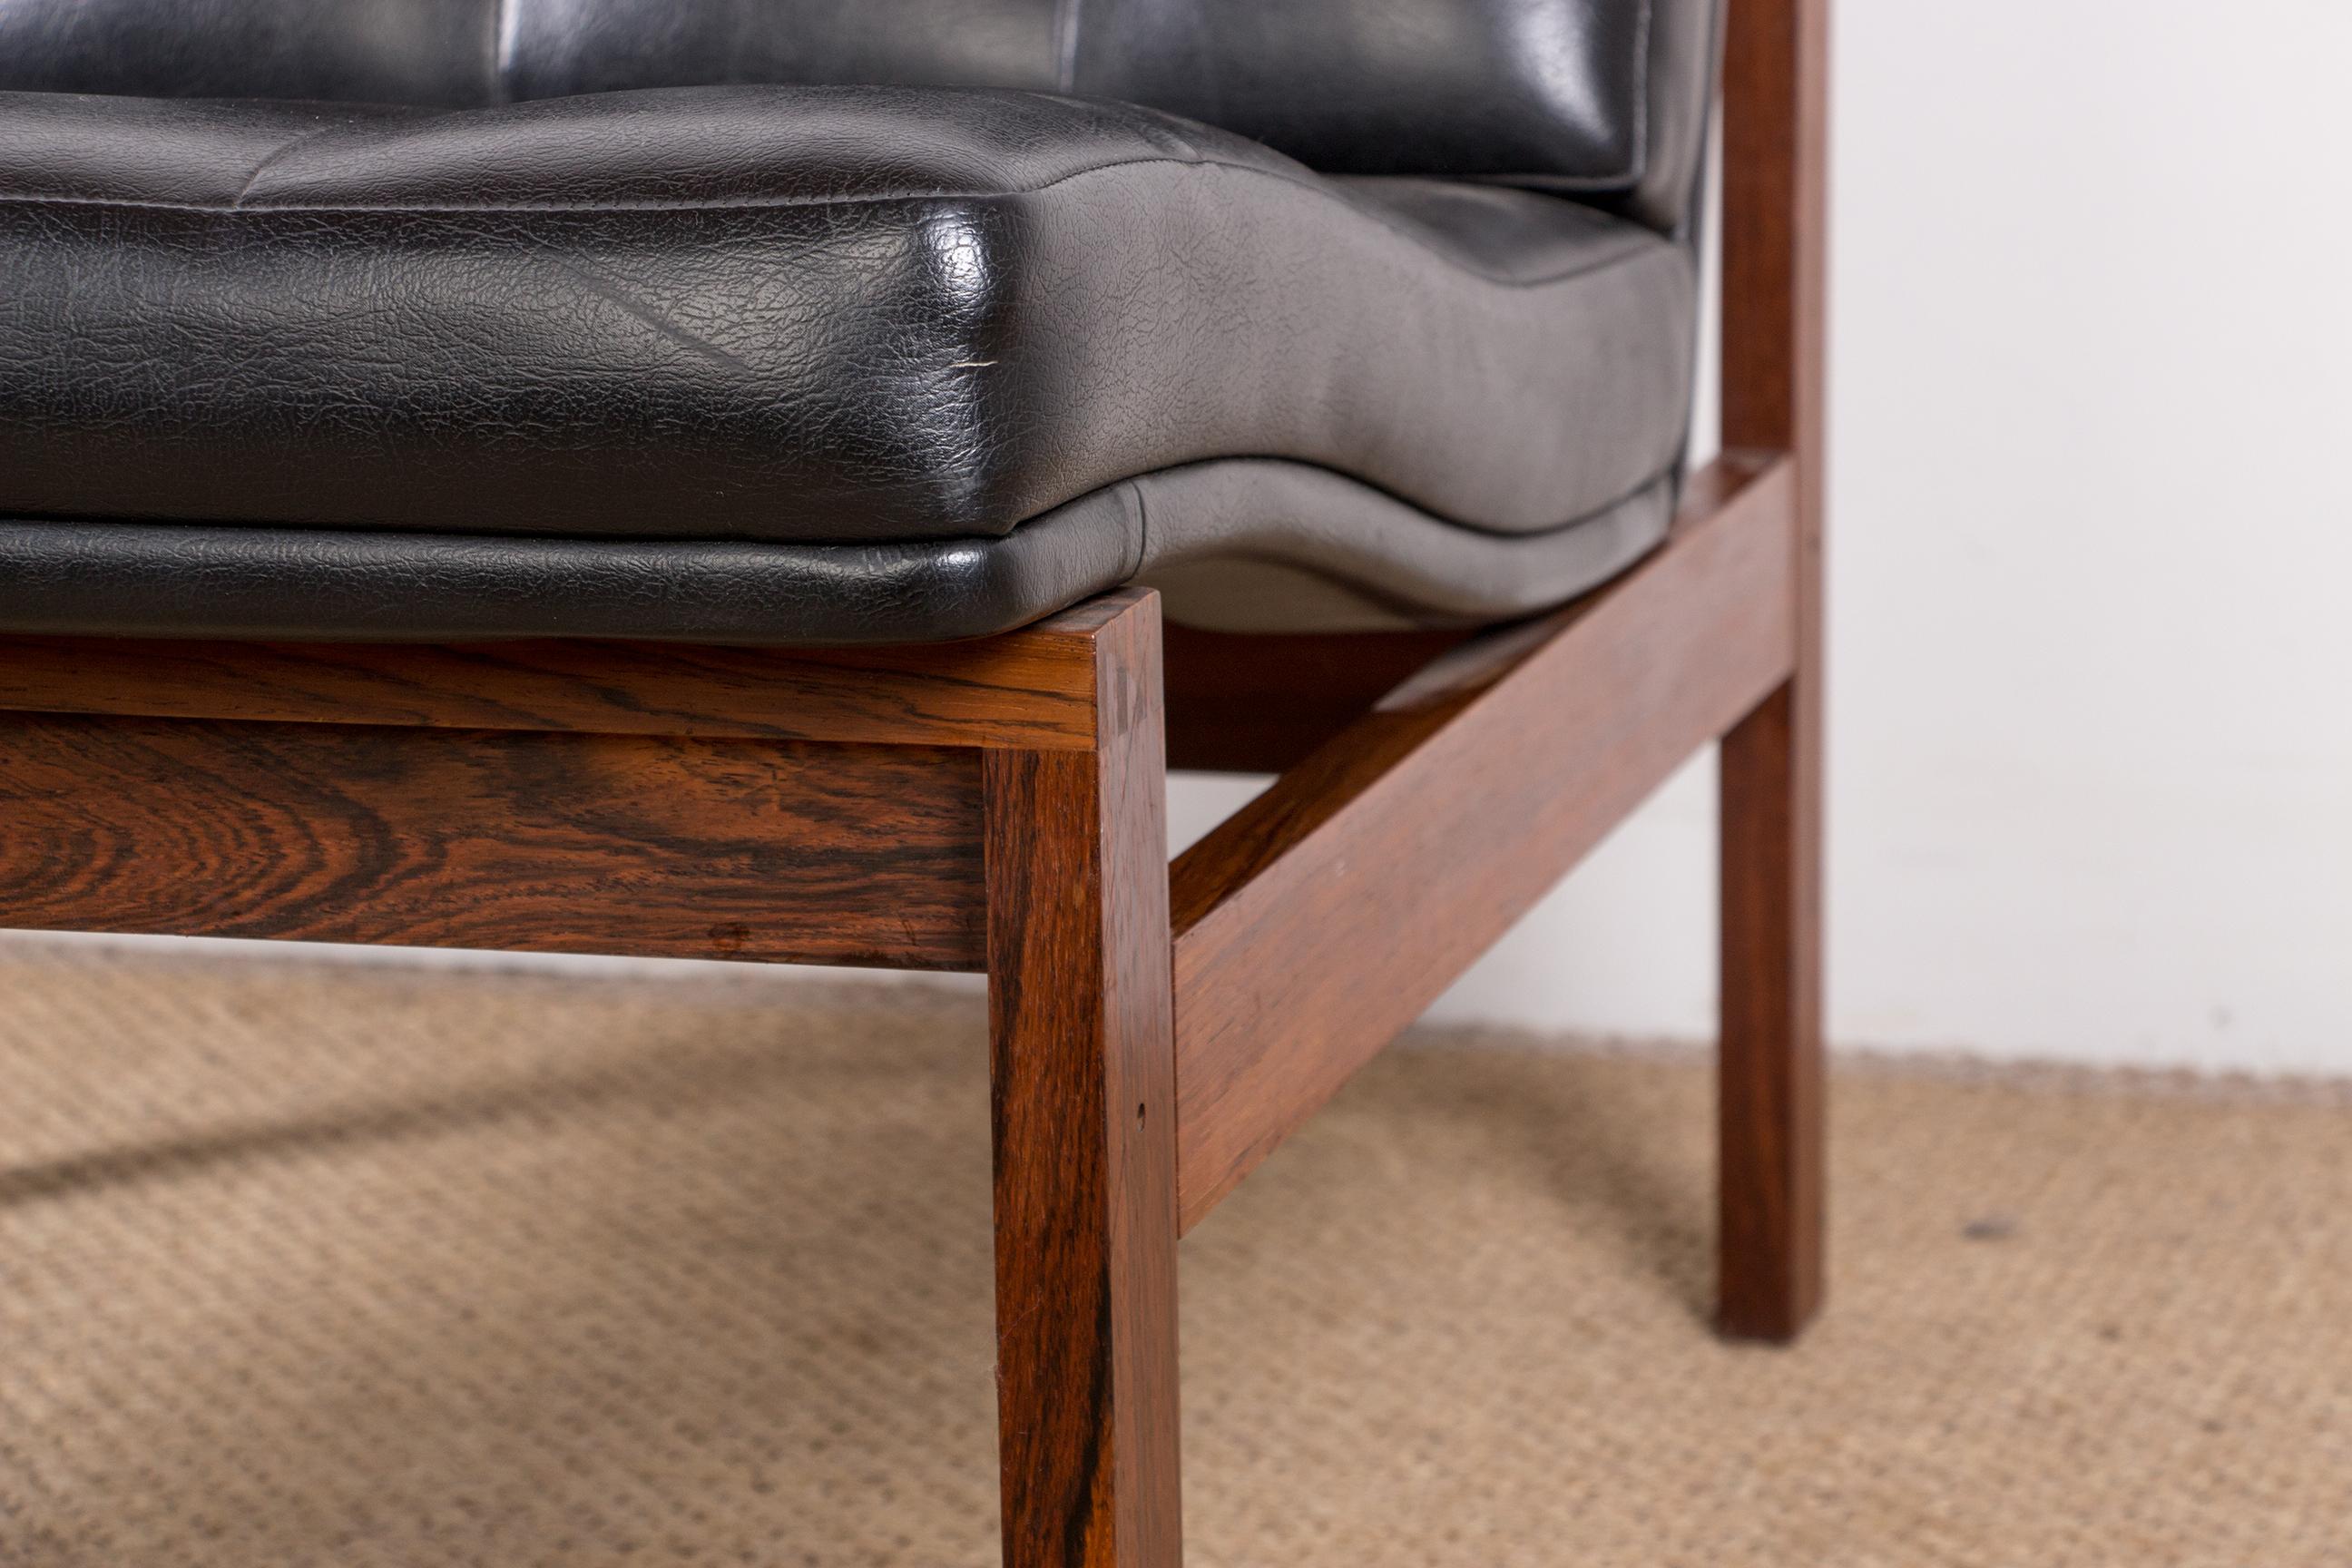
1775, 307
1083, 1058
1772, 1174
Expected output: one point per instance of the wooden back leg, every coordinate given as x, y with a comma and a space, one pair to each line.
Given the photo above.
1775, 236
1772, 1094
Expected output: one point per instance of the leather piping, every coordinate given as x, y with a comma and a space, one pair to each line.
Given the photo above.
167, 580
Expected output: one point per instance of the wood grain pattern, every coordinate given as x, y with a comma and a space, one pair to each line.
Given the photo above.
615, 844
1083, 1067
1325, 915
1774, 1082
1025, 689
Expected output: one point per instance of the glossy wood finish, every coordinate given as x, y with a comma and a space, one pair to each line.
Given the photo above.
1326, 913
997, 804
1020, 689
809, 805
1772, 1115
662, 846
1082, 1061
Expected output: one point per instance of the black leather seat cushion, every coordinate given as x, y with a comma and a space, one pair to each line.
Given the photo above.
995, 348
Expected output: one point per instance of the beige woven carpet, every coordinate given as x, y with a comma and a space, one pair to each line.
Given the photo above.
302, 1265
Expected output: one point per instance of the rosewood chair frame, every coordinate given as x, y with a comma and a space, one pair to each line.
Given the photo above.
998, 804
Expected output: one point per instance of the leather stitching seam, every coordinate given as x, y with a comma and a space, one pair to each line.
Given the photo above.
1322, 191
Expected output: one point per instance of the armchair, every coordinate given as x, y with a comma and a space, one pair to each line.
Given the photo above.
706, 479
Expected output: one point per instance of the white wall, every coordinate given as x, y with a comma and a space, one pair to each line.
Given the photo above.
2091, 614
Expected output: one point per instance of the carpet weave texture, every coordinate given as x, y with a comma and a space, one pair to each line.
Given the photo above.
310, 1264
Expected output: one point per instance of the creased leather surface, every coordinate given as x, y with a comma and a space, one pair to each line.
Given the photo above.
1234, 546
788, 314
1233, 543
1601, 95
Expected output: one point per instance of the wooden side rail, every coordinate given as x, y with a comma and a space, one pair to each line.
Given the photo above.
637, 844
802, 806
1030, 689
1327, 914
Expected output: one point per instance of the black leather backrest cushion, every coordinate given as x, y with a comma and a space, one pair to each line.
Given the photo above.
368, 51
1605, 97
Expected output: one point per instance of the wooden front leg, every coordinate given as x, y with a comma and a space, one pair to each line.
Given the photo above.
1082, 1053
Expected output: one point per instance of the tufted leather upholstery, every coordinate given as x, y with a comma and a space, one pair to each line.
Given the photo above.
1599, 96
827, 363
